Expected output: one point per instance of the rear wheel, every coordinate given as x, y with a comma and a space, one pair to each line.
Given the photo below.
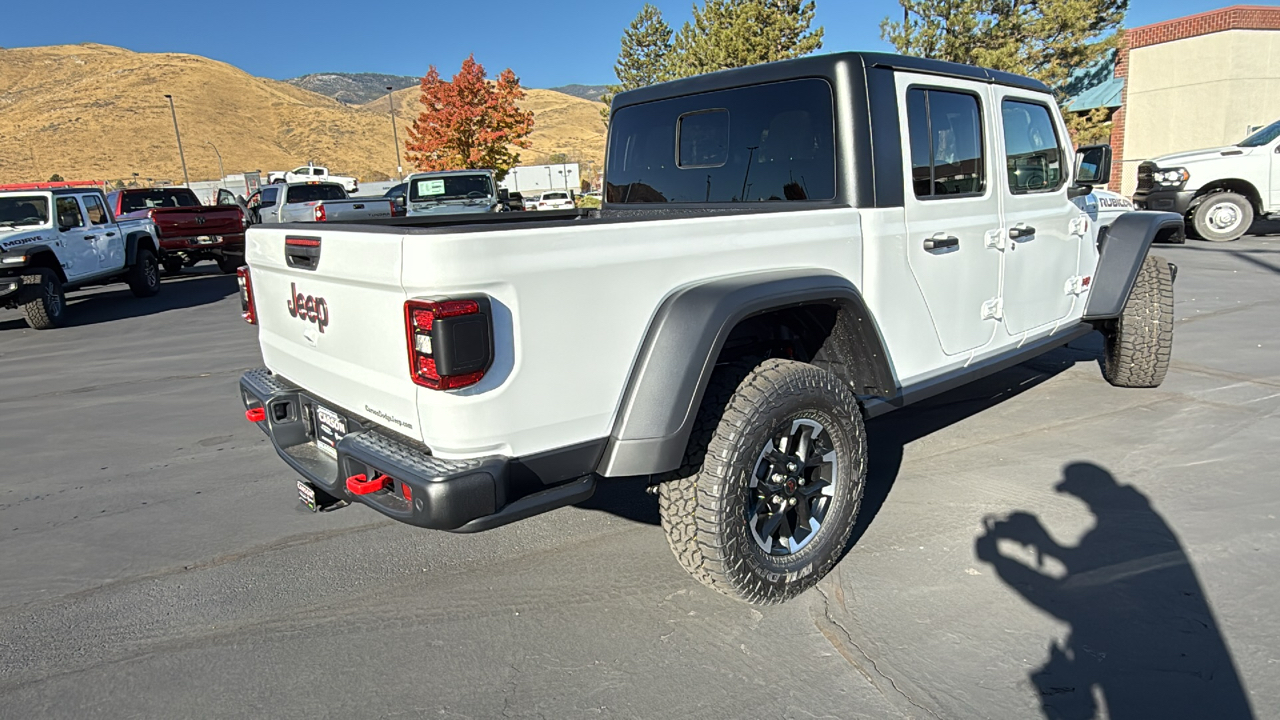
45, 305
1138, 347
228, 264
770, 509
1222, 217
144, 276
172, 264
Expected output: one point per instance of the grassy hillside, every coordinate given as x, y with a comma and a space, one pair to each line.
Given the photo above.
99, 112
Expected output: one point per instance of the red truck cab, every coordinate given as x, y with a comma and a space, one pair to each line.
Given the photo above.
189, 232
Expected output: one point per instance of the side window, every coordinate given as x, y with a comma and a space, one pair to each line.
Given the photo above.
704, 139
69, 213
93, 208
1032, 150
945, 133
269, 196
302, 171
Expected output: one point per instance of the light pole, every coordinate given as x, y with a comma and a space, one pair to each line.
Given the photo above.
395, 135
185, 178
221, 175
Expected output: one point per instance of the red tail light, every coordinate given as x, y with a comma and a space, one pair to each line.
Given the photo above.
391, 204
247, 309
320, 216
450, 342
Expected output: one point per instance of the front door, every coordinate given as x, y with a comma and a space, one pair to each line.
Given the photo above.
952, 209
79, 254
1043, 227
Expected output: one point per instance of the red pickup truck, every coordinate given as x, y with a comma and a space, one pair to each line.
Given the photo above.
189, 232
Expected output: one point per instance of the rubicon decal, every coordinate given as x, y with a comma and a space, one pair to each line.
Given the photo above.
312, 309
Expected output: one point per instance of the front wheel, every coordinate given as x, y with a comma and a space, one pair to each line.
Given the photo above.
1139, 345
45, 305
1222, 217
770, 510
144, 276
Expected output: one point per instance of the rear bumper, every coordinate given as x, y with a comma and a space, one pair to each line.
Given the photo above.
1176, 201
216, 244
459, 495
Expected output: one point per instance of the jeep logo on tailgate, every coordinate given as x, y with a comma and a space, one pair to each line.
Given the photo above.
311, 309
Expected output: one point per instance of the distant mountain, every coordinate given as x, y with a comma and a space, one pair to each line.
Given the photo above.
353, 88
586, 92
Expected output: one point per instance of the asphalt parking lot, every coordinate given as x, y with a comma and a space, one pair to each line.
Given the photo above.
1038, 542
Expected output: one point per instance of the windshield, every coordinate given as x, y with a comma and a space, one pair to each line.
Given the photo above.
16, 210
449, 187
135, 201
1263, 136
312, 193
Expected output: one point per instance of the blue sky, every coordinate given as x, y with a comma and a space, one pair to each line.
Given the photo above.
546, 43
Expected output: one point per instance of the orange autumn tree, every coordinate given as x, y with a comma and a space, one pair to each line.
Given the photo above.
469, 123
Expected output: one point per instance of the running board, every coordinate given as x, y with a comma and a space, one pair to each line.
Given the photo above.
875, 406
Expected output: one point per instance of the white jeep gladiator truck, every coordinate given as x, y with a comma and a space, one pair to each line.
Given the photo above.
313, 173
783, 251
1220, 191
57, 240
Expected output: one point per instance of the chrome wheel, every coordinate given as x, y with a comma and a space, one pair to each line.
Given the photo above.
1223, 217
792, 487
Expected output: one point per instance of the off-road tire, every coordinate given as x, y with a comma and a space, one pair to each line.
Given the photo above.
1201, 217
1140, 343
229, 264
703, 512
144, 276
172, 264
44, 303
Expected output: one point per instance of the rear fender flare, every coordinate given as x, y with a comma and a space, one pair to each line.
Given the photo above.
136, 240
679, 352
1122, 254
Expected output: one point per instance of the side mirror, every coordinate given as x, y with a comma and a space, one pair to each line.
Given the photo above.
1093, 165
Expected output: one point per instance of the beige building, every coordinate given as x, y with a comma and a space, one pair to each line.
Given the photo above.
1195, 82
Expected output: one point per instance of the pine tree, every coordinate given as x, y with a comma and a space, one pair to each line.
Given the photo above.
1043, 39
645, 56
469, 122
727, 34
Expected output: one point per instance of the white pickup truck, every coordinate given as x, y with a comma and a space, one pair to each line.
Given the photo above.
1219, 191
314, 202
313, 173
783, 251
56, 240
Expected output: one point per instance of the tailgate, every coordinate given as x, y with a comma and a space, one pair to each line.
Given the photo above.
347, 343
191, 222
356, 209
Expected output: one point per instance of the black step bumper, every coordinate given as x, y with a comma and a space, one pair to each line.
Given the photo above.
458, 495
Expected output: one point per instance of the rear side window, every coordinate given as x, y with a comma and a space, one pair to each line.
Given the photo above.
1032, 151
269, 195
945, 130
93, 208
766, 143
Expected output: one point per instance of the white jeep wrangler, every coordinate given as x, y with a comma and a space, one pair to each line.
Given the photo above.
783, 251
1219, 191
56, 240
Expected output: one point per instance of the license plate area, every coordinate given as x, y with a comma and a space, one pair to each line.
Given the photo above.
329, 428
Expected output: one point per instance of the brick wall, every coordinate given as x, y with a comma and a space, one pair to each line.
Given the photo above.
1237, 17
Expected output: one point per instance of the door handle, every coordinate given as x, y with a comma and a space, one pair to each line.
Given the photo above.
90, 237
941, 242
1021, 230
111, 234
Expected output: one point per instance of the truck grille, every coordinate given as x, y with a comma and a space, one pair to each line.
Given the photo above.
1145, 172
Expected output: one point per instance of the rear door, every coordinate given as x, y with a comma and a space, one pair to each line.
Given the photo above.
1044, 231
331, 319
952, 208
106, 238
79, 254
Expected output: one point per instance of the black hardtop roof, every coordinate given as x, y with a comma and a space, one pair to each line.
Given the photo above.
73, 190
830, 66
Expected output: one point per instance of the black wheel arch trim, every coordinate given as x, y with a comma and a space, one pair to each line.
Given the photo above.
684, 339
1126, 247
32, 251
135, 240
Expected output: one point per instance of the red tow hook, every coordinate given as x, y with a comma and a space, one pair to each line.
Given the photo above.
255, 415
361, 485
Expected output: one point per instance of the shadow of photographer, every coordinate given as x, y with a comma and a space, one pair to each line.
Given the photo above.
1143, 638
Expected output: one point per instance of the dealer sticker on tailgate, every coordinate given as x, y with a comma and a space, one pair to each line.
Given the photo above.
330, 427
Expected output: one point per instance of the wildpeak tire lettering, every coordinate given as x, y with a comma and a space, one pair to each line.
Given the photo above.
311, 309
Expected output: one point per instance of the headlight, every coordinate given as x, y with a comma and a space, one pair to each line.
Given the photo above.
1176, 176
